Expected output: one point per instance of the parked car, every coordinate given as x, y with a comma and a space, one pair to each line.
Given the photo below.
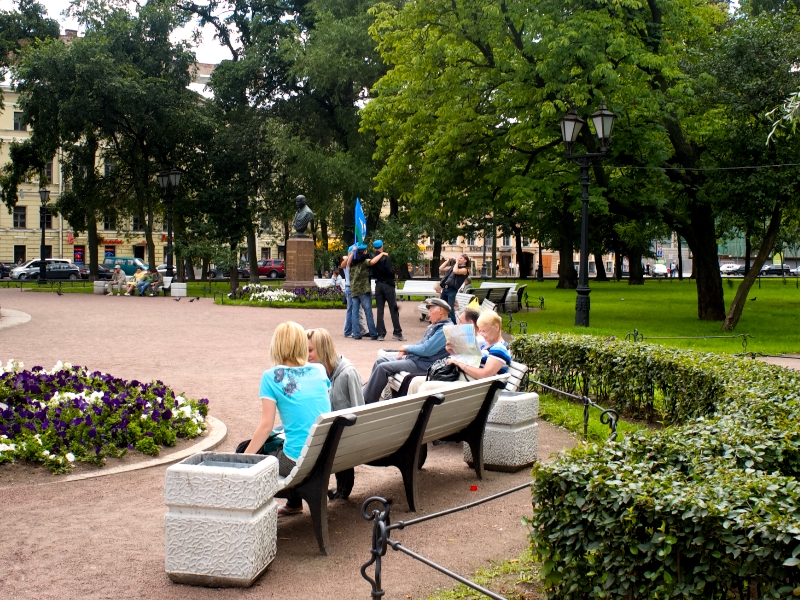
57, 270
783, 269
219, 273
103, 272
272, 268
659, 271
795, 271
128, 264
23, 271
730, 268
5, 270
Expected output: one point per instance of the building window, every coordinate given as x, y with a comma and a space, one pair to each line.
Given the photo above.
48, 221
137, 224
48, 170
19, 254
138, 252
471, 240
78, 254
48, 252
266, 253
109, 222
108, 168
20, 217
19, 124
506, 240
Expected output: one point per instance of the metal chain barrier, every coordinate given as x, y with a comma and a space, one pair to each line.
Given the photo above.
382, 528
635, 336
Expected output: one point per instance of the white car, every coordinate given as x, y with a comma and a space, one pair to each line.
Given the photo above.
659, 271
21, 272
729, 268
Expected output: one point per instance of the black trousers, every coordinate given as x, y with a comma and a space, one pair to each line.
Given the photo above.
386, 293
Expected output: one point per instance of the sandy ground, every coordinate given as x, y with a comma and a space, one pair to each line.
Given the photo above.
103, 538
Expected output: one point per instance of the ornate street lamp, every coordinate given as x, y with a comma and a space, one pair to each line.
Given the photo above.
44, 196
540, 269
169, 180
571, 124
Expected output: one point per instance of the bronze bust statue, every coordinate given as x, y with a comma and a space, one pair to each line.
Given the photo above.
304, 217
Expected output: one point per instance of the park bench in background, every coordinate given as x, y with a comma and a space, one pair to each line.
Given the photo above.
416, 287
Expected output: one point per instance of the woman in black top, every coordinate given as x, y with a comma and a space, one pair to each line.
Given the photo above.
453, 280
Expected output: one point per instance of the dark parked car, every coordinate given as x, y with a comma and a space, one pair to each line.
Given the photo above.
219, 273
783, 269
56, 271
103, 272
272, 268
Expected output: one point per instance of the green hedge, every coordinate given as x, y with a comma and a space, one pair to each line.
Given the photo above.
704, 508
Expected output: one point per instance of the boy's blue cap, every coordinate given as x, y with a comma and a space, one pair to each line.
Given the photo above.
377, 244
362, 246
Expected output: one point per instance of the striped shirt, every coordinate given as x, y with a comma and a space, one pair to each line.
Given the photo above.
498, 350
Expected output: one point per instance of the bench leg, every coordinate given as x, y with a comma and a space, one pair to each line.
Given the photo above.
472, 434
314, 489
407, 457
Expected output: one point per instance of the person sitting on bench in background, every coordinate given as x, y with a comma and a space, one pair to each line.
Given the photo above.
495, 358
156, 283
118, 279
414, 358
299, 392
345, 391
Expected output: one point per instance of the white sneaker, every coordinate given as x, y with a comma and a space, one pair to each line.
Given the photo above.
151, 295
127, 293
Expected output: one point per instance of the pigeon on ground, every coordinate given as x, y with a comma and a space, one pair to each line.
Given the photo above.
192, 300
177, 299
198, 298
753, 299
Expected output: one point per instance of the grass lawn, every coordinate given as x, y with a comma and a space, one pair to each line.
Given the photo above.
669, 308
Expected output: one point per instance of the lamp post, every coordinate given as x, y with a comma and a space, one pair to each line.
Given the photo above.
169, 179
571, 125
540, 269
44, 196
483, 266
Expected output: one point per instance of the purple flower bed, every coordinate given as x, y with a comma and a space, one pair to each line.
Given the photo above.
66, 414
332, 294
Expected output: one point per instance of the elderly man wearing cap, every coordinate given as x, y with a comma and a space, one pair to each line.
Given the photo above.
385, 291
414, 358
360, 291
119, 279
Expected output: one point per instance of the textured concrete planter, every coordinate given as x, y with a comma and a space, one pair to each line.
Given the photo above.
510, 442
222, 524
100, 287
177, 289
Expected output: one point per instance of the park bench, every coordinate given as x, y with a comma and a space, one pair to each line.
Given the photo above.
516, 376
389, 433
416, 287
322, 282
502, 298
165, 285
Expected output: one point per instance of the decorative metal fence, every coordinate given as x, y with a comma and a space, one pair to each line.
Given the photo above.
381, 542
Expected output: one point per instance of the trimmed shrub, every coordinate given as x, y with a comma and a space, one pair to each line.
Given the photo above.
705, 508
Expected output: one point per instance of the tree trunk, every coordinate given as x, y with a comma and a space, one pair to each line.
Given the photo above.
600, 268
702, 240
91, 235
148, 236
323, 232
680, 259
618, 266
252, 254
635, 270
748, 250
437, 256
234, 272
206, 262
394, 207
737, 306
567, 275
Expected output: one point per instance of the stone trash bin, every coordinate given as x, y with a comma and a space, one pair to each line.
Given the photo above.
221, 527
510, 442
100, 287
177, 289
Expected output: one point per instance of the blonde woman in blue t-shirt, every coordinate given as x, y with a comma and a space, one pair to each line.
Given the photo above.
298, 390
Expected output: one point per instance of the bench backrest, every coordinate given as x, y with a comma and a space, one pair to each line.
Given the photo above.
382, 427
488, 305
497, 295
495, 284
418, 286
516, 375
322, 282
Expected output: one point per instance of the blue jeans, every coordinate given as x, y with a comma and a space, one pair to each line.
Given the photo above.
363, 301
348, 318
449, 296
142, 287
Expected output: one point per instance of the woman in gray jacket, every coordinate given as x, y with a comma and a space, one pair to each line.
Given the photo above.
345, 391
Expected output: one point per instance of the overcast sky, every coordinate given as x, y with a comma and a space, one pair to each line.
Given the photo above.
209, 50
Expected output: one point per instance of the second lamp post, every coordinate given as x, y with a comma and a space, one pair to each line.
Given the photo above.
44, 196
169, 179
571, 126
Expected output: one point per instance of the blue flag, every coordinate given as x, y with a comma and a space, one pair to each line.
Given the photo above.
361, 223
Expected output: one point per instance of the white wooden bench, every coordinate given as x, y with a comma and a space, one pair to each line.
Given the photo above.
417, 287
390, 433
516, 376
323, 283
510, 298
166, 284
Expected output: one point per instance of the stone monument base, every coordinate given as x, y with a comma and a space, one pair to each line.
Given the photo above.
299, 263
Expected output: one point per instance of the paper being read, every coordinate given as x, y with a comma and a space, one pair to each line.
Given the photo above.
462, 340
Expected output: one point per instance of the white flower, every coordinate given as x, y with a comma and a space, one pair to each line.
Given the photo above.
38, 439
45, 452
185, 411
180, 400
70, 456
7, 447
143, 417
3, 406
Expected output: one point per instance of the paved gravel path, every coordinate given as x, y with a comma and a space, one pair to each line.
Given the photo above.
103, 538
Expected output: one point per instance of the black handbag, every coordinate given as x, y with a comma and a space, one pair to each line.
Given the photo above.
271, 446
441, 370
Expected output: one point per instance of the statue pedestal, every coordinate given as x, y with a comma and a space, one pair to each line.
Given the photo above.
299, 263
